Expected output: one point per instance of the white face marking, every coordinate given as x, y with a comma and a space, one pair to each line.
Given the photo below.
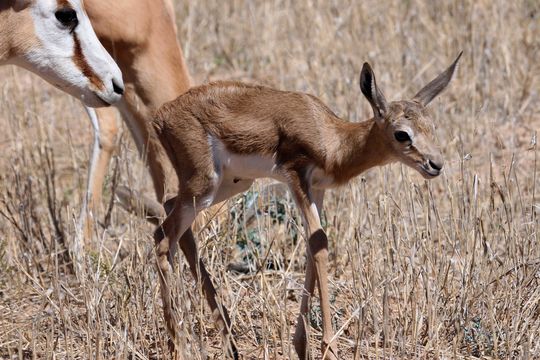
84, 70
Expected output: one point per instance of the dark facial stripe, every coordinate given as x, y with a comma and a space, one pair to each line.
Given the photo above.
63, 3
80, 62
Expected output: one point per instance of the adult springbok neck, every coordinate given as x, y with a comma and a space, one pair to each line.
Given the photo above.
220, 137
54, 39
141, 35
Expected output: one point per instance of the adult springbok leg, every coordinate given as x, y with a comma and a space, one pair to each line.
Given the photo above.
310, 202
106, 127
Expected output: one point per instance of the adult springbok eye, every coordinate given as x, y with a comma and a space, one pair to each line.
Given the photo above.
67, 17
402, 136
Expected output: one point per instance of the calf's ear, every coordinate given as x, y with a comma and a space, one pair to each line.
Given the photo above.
369, 88
437, 85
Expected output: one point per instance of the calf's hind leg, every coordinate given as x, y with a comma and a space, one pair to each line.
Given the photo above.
219, 312
179, 222
165, 237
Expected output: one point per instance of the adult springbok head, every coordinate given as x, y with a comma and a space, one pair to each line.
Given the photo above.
54, 39
406, 124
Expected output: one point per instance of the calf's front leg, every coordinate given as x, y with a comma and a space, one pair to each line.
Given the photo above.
316, 270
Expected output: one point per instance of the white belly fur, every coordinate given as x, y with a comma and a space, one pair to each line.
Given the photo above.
230, 166
237, 166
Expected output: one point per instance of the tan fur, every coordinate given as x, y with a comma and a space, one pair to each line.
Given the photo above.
17, 35
141, 37
208, 130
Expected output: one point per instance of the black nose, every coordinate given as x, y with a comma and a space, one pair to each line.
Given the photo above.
435, 166
117, 89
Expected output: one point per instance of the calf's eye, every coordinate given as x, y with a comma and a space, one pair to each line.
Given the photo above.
402, 136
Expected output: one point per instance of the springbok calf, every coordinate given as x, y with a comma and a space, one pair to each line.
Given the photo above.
220, 137
54, 39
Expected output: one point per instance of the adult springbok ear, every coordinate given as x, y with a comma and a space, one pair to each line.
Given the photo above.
369, 88
437, 85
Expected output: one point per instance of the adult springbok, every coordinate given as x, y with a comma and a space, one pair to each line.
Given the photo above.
141, 37
220, 137
54, 39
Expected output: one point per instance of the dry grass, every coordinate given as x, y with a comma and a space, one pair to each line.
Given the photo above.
442, 269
